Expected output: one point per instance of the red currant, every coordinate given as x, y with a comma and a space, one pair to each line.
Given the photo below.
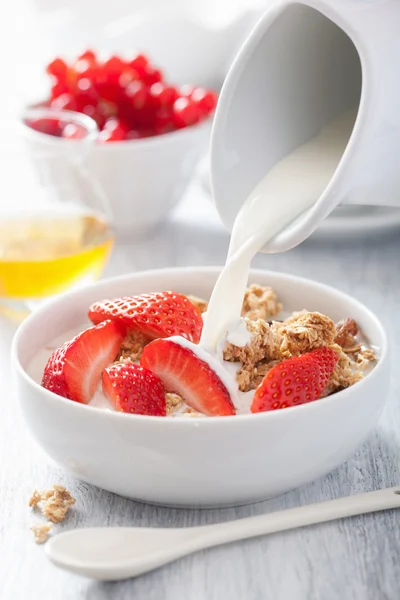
112, 68
186, 90
138, 93
64, 102
46, 125
92, 112
146, 132
73, 132
58, 89
85, 69
88, 55
151, 75
58, 68
117, 128
163, 122
133, 134
185, 113
139, 63
118, 134
104, 111
205, 99
163, 95
127, 76
86, 97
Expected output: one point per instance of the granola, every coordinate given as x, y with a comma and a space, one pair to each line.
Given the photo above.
300, 333
174, 402
41, 532
264, 345
260, 303
249, 377
55, 502
190, 412
345, 373
305, 331
132, 346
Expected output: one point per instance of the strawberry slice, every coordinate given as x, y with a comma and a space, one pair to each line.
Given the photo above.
298, 380
158, 315
133, 389
183, 373
74, 370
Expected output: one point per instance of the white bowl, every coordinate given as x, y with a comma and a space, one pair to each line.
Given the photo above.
144, 179
202, 462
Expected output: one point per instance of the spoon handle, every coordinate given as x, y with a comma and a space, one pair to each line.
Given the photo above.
292, 518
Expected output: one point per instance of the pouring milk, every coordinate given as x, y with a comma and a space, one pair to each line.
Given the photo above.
292, 186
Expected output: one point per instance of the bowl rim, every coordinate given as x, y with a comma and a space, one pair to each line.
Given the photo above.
178, 421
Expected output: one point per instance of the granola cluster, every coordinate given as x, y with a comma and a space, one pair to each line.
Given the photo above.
54, 505
260, 303
274, 341
41, 532
55, 502
132, 346
174, 402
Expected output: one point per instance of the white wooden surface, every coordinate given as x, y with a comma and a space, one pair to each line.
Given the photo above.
357, 559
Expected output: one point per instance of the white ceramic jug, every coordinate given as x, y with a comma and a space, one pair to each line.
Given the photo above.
304, 63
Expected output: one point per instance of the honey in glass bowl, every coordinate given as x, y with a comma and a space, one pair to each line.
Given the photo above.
54, 228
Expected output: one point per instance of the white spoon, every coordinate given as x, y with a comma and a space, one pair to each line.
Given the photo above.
112, 553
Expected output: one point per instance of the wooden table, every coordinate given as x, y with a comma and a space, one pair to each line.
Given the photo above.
356, 559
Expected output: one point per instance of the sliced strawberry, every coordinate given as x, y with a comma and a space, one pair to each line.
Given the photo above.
183, 373
298, 380
74, 370
158, 315
133, 389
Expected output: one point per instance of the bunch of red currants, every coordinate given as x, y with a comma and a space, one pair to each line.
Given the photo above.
128, 99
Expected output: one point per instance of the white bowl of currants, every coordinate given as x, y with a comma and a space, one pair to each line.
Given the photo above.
151, 134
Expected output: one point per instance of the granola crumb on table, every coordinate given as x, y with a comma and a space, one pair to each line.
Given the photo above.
55, 502
35, 499
41, 532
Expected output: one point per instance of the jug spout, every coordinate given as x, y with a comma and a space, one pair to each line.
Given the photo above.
372, 27
305, 63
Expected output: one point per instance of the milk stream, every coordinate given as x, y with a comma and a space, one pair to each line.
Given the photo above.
292, 186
